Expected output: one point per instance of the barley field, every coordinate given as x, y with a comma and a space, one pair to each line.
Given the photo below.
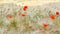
41, 19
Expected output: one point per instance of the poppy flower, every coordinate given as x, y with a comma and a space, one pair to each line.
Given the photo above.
10, 16
25, 8
57, 13
45, 25
52, 17
23, 15
42, 30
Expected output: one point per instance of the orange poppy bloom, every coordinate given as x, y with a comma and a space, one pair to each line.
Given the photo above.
52, 17
42, 30
10, 16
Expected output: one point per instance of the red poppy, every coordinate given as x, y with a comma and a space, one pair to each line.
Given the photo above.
57, 13
25, 8
23, 14
42, 30
10, 16
52, 17
45, 25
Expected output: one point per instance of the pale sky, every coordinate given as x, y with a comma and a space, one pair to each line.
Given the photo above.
29, 2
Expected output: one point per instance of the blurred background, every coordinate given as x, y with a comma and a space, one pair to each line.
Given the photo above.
29, 2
